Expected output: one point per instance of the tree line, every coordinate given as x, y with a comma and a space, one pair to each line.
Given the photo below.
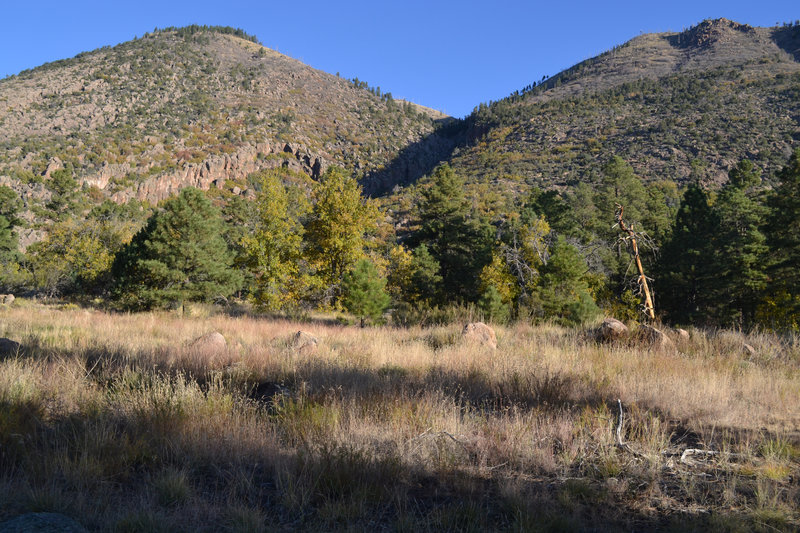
727, 257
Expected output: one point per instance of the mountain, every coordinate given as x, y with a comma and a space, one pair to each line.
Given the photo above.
207, 106
203, 106
678, 106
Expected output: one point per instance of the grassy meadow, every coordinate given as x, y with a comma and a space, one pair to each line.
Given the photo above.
118, 421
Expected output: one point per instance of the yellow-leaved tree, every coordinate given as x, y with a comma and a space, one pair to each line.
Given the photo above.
274, 250
337, 228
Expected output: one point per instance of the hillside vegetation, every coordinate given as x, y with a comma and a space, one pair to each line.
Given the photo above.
127, 424
192, 106
678, 106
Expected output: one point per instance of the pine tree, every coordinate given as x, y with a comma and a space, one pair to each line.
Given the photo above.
458, 239
564, 290
364, 291
683, 283
782, 307
739, 276
426, 280
180, 255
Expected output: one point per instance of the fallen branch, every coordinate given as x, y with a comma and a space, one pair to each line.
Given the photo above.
620, 443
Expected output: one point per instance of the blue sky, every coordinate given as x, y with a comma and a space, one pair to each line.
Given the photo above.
450, 55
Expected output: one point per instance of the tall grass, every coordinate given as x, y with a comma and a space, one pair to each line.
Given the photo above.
121, 422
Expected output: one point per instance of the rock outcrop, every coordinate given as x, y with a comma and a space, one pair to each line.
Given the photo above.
215, 170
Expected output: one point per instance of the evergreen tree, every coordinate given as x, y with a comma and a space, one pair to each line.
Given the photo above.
741, 248
336, 233
10, 205
364, 291
426, 281
564, 290
683, 284
180, 255
64, 190
456, 238
782, 306
493, 307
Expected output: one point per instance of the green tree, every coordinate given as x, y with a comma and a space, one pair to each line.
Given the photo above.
63, 192
741, 248
76, 256
273, 251
458, 239
564, 290
364, 291
180, 255
493, 307
686, 271
336, 231
426, 281
10, 205
781, 308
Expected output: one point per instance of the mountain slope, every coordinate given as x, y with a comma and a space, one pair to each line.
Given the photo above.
192, 106
676, 106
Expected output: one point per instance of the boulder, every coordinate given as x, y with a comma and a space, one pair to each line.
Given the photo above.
480, 333
42, 523
656, 338
682, 334
9, 347
611, 330
304, 343
7, 299
213, 341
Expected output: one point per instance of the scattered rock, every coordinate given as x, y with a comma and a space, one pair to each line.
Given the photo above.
304, 343
9, 347
480, 333
611, 330
42, 523
748, 350
682, 333
213, 341
7, 299
654, 337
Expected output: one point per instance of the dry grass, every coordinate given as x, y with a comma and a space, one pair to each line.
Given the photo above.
118, 421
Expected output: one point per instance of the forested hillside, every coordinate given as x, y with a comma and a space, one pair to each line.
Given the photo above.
691, 137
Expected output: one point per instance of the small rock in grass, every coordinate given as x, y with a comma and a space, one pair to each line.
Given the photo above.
480, 333
304, 343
